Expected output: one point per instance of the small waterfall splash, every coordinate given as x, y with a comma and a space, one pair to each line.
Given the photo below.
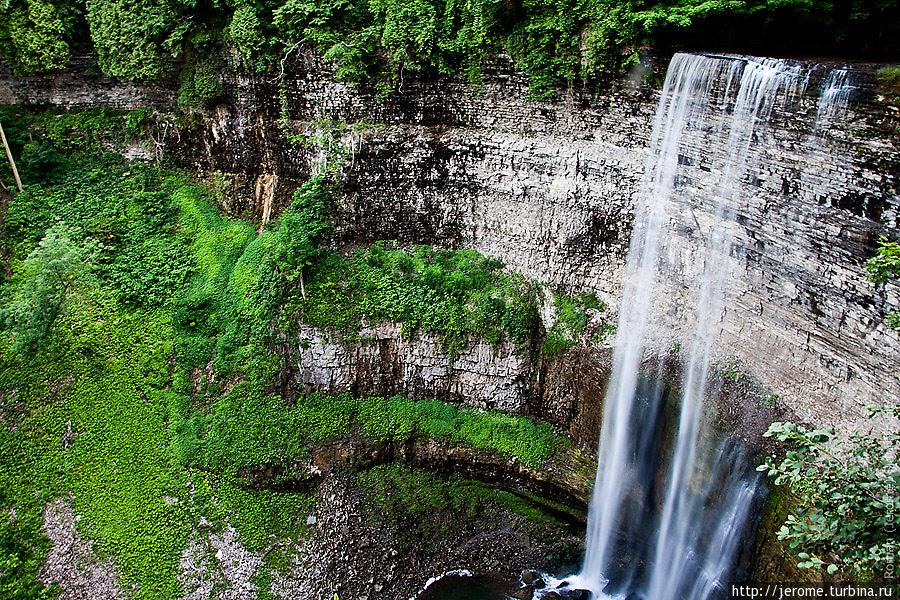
835, 97
676, 538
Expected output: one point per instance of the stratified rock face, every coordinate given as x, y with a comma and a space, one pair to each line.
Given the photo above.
81, 85
548, 187
384, 361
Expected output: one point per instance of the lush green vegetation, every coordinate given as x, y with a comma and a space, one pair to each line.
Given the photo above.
385, 41
847, 497
246, 427
48, 143
36, 36
136, 356
883, 266
454, 294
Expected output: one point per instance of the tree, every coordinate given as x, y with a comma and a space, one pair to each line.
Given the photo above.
33, 35
52, 273
300, 229
135, 40
246, 31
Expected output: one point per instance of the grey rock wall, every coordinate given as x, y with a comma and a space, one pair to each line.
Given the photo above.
549, 186
81, 85
386, 362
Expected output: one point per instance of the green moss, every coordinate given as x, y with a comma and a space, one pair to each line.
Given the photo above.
246, 427
396, 492
200, 86
259, 515
396, 488
774, 560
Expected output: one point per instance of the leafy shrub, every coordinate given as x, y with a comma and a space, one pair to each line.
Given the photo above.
300, 229
34, 37
135, 40
53, 272
883, 266
571, 319
200, 86
245, 30
43, 163
848, 496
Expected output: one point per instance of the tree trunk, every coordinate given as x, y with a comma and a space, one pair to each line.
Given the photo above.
9, 155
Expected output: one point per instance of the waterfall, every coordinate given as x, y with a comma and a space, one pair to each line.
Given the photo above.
676, 537
834, 98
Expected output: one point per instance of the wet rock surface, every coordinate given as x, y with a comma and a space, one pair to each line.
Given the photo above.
355, 550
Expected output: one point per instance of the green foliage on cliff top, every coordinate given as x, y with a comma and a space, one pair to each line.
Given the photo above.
138, 40
387, 41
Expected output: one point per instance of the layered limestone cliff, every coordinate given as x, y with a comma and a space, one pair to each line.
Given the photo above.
548, 187
385, 362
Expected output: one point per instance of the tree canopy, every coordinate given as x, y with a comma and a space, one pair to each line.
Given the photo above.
52, 273
553, 41
33, 35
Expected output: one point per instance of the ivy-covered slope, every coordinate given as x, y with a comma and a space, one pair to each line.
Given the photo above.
137, 359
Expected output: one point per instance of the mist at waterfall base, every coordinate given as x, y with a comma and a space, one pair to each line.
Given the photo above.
672, 512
